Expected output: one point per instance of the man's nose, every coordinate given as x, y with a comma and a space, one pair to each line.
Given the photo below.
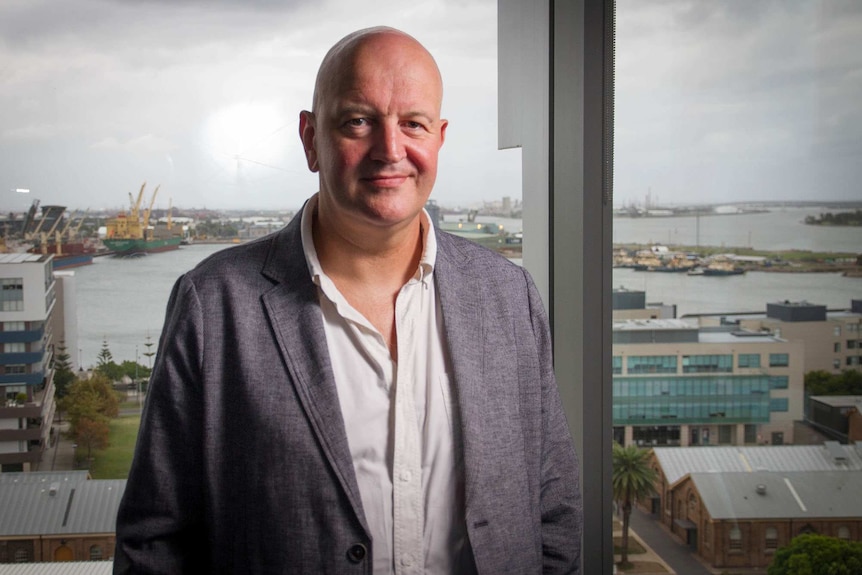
388, 143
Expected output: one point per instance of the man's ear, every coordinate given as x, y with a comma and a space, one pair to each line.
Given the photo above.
306, 134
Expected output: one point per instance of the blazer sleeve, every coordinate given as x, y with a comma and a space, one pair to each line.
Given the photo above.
159, 523
561, 504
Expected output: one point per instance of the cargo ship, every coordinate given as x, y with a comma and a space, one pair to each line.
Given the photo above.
130, 233
58, 235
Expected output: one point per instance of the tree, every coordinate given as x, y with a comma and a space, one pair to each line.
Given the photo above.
92, 434
632, 480
819, 382
105, 356
90, 399
813, 554
91, 403
63, 374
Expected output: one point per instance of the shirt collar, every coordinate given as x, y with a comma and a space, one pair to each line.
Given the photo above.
426, 262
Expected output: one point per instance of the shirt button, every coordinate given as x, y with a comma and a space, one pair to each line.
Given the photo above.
406, 476
407, 560
356, 553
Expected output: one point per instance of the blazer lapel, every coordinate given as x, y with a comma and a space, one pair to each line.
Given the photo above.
294, 312
461, 302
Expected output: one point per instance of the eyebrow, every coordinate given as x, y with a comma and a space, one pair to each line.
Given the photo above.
363, 110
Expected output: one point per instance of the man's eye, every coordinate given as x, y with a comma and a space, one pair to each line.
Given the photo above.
413, 125
357, 122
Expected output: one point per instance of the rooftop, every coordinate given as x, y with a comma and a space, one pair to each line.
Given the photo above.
654, 324
22, 258
59, 568
43, 477
76, 506
676, 462
785, 495
839, 400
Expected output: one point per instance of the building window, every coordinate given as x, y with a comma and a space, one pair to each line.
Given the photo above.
21, 555
735, 539
837, 347
617, 364
844, 533
12, 294
836, 364
853, 360
14, 347
779, 360
750, 433
771, 538
778, 404
16, 369
95, 553
724, 434
707, 363
651, 364
836, 331
748, 360
14, 326
852, 343
778, 381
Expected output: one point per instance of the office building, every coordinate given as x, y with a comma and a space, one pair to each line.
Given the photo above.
677, 384
832, 338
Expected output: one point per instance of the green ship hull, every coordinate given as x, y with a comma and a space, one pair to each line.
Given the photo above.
122, 247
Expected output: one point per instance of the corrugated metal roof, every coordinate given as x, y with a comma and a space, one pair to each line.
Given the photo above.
60, 507
46, 477
678, 461
60, 568
781, 495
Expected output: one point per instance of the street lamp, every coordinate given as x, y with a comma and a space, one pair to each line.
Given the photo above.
137, 380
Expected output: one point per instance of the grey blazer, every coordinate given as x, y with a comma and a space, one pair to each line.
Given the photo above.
242, 463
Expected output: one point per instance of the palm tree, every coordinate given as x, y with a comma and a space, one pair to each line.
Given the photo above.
633, 480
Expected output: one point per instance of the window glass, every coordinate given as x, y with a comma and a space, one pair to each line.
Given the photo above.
727, 168
748, 360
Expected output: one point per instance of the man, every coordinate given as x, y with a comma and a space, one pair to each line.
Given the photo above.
357, 393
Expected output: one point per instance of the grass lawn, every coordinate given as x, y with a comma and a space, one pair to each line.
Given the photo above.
114, 462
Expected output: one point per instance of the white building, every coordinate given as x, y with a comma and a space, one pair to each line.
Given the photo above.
27, 305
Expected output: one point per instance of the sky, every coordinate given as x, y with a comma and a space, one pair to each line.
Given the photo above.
717, 101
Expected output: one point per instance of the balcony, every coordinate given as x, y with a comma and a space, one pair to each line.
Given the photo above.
23, 379
31, 434
22, 358
22, 336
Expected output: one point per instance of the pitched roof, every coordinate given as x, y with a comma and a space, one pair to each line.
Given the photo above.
676, 462
58, 568
45, 477
58, 507
781, 495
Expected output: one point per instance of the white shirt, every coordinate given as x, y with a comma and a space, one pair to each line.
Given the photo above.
401, 420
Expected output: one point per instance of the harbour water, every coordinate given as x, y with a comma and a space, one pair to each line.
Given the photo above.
122, 301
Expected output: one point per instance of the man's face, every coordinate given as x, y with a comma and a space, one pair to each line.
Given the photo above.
376, 134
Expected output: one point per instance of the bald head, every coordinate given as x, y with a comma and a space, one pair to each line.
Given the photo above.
378, 42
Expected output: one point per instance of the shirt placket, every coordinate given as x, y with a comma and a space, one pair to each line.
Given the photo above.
408, 519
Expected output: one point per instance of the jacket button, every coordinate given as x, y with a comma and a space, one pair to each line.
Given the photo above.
357, 553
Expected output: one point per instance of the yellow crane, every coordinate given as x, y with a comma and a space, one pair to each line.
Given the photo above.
146, 221
137, 206
77, 228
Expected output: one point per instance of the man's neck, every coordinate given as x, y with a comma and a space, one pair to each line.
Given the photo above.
366, 255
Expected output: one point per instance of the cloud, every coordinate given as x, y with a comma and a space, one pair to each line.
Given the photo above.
146, 144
